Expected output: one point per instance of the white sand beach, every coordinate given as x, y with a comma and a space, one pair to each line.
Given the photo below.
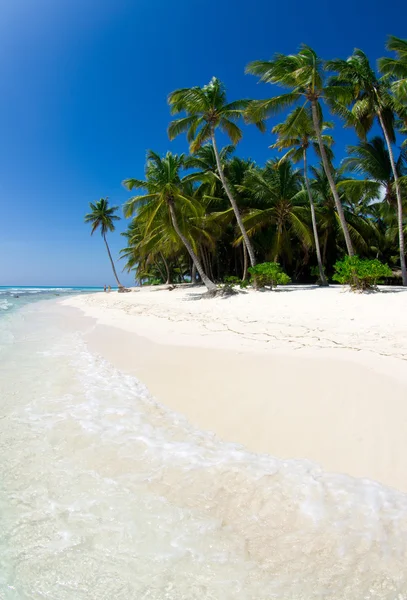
302, 372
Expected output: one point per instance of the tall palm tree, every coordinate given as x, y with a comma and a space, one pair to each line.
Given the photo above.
302, 73
396, 68
278, 208
297, 134
207, 109
167, 197
102, 217
369, 98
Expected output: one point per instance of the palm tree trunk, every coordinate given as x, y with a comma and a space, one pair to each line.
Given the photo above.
211, 273
233, 201
279, 232
181, 271
245, 261
208, 283
111, 260
399, 203
204, 260
314, 223
332, 185
166, 269
193, 274
162, 275
325, 249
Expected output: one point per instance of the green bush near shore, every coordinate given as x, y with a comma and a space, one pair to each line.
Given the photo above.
268, 274
232, 280
360, 274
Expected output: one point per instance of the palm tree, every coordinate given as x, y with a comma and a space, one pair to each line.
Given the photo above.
396, 68
278, 208
235, 169
145, 251
302, 73
167, 199
330, 229
369, 98
207, 109
297, 134
372, 161
102, 217
206, 173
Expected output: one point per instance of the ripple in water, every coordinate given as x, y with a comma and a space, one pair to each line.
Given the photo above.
5, 304
108, 495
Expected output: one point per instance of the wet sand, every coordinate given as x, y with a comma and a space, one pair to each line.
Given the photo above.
344, 407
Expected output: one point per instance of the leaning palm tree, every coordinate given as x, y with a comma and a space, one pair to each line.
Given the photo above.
166, 198
302, 73
102, 217
297, 134
369, 99
206, 109
204, 163
396, 68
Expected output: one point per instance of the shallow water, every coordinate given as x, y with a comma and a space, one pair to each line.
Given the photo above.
105, 494
15, 297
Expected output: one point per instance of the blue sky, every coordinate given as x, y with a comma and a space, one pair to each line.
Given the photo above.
84, 87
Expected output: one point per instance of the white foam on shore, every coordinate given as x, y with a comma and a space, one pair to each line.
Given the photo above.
5, 304
108, 494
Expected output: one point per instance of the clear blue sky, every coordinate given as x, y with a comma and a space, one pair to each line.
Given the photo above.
83, 96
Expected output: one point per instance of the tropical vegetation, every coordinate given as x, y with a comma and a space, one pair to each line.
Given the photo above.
217, 217
360, 274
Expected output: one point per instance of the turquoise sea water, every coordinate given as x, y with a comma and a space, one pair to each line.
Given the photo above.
13, 297
107, 495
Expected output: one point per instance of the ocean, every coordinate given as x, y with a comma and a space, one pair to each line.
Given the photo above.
14, 297
107, 495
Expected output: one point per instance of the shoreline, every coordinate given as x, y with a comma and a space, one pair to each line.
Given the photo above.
340, 408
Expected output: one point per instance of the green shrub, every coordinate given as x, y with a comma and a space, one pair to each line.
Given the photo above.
268, 274
232, 280
360, 274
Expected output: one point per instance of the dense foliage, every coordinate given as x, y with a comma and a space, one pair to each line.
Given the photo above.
213, 215
360, 274
268, 274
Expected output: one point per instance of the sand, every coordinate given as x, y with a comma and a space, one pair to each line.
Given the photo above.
299, 373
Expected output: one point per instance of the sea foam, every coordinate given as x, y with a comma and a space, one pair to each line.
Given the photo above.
109, 494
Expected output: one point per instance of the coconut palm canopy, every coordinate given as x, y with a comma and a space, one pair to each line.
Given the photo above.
215, 212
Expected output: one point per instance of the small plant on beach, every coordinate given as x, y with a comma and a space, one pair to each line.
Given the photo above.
268, 274
360, 274
232, 280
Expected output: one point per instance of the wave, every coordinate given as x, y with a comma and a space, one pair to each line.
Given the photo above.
34, 290
121, 494
5, 305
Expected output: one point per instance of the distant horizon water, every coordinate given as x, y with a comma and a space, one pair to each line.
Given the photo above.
13, 297
53, 287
